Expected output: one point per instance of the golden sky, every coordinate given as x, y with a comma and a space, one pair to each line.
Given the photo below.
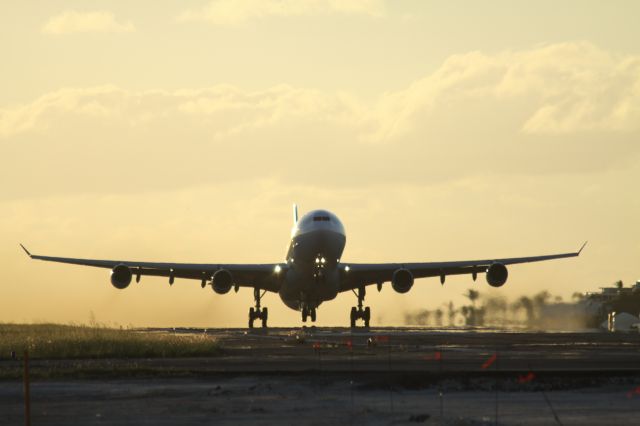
183, 131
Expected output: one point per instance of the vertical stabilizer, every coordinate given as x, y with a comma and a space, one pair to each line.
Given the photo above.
295, 214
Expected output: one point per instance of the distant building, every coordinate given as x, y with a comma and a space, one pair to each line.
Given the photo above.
618, 299
609, 294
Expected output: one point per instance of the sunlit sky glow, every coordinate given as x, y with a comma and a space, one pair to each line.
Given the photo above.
184, 131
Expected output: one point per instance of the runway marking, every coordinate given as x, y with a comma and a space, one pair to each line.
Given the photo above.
437, 356
526, 378
490, 361
632, 392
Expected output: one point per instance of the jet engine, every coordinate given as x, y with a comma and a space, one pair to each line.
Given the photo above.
497, 274
121, 276
222, 281
402, 280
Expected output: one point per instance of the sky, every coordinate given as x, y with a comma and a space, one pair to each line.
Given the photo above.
436, 130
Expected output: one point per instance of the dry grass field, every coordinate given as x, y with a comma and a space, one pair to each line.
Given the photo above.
54, 341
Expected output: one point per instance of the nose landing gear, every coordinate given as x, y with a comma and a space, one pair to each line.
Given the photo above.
308, 311
257, 312
359, 312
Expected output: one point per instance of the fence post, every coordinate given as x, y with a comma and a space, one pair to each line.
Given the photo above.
27, 394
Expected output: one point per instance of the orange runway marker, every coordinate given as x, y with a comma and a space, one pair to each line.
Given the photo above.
632, 392
437, 356
526, 378
490, 361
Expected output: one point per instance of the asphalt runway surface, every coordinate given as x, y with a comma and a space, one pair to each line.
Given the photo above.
340, 376
417, 350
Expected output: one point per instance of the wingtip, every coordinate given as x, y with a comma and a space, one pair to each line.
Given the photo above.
583, 246
25, 250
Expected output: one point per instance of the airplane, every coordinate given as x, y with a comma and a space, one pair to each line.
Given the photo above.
313, 271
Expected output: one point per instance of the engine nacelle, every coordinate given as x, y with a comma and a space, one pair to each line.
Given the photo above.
402, 280
222, 281
121, 276
497, 275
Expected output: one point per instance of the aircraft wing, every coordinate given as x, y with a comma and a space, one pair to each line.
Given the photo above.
264, 276
355, 275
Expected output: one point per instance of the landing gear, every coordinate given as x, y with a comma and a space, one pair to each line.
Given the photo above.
359, 312
307, 312
257, 312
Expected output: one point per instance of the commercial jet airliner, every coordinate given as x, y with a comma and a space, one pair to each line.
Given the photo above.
313, 271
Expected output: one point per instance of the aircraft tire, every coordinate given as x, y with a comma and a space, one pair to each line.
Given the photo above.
252, 316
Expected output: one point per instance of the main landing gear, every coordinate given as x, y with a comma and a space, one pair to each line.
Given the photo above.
359, 312
257, 312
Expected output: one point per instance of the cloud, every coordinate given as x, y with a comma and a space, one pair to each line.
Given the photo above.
566, 108
557, 89
235, 12
560, 89
99, 21
223, 109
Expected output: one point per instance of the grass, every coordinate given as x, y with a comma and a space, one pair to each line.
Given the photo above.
53, 341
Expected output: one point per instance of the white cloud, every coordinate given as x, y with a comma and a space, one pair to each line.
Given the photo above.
223, 109
558, 89
569, 108
99, 21
563, 88
235, 12
39, 115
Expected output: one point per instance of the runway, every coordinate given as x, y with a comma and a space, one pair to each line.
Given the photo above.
339, 376
418, 350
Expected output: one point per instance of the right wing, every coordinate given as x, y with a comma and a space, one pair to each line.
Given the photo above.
264, 276
363, 274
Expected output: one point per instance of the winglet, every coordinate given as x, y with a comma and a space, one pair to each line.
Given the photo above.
295, 214
583, 246
25, 250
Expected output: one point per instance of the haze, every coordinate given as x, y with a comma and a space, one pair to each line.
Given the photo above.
175, 131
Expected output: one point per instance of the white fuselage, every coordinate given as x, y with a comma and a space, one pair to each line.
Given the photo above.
315, 249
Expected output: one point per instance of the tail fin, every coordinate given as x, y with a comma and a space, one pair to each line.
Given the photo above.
295, 214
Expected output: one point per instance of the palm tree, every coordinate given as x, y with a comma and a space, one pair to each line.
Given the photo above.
438, 315
467, 313
451, 313
525, 303
577, 296
472, 295
541, 299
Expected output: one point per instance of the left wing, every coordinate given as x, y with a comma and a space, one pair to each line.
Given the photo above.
265, 276
355, 275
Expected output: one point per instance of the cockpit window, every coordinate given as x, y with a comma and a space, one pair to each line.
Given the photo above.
321, 218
